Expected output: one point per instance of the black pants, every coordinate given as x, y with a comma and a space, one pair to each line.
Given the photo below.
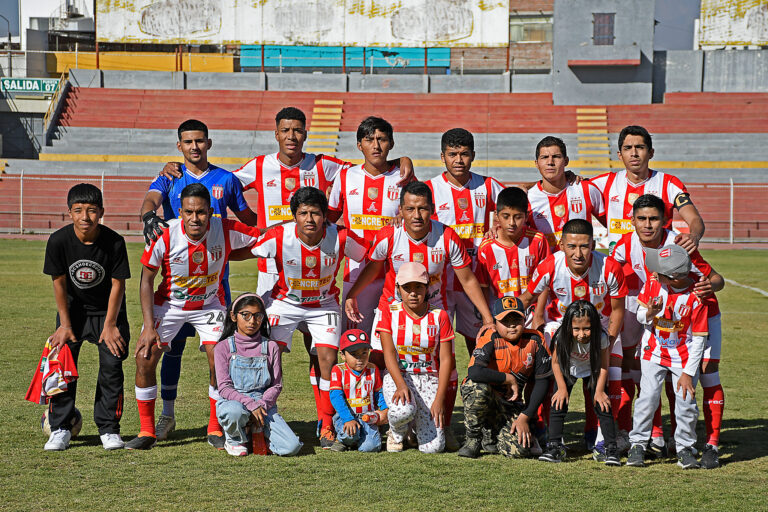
108, 403
557, 418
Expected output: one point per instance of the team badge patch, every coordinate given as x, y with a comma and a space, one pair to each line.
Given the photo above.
665, 253
598, 288
274, 320
198, 257
529, 261
329, 260
463, 203
290, 183
684, 310
559, 210
432, 331
393, 193
217, 192
580, 291
216, 253
418, 257
577, 205
416, 329
310, 261
436, 255
632, 197
309, 181
373, 194
480, 200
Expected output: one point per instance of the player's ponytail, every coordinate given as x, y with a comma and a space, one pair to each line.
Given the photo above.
563, 340
246, 299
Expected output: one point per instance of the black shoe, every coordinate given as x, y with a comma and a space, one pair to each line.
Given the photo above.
555, 452
489, 442
657, 448
141, 443
338, 446
612, 455
687, 460
471, 448
710, 457
636, 456
216, 441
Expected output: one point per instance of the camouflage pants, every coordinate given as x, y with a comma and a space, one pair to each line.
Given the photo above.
486, 408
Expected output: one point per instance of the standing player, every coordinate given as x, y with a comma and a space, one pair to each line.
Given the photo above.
553, 200
621, 189
191, 256
649, 233
307, 255
464, 201
226, 192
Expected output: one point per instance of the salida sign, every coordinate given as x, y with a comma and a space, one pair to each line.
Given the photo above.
29, 85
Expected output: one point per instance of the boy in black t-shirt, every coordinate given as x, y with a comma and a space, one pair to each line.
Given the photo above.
89, 265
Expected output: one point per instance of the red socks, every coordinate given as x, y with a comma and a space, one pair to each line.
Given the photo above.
614, 393
714, 403
146, 417
213, 421
325, 410
658, 431
625, 405
315, 389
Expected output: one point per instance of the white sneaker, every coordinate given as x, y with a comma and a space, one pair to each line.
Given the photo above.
112, 442
392, 445
58, 441
236, 450
165, 425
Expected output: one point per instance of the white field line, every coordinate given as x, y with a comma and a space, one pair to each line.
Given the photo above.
756, 290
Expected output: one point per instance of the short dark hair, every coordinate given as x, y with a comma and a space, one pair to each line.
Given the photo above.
635, 130
193, 125
196, 190
85, 193
416, 188
578, 227
548, 141
457, 137
291, 113
512, 197
309, 196
370, 124
649, 201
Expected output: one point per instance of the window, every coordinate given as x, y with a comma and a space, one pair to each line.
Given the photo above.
530, 29
602, 29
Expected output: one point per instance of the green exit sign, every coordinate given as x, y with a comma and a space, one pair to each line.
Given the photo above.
29, 85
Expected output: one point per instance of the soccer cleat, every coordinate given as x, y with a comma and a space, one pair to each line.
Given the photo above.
112, 441
471, 448
489, 442
392, 445
657, 448
141, 443
451, 444
687, 460
590, 436
216, 439
710, 457
598, 452
612, 456
338, 446
622, 441
555, 452
327, 438
236, 450
58, 440
165, 425
636, 456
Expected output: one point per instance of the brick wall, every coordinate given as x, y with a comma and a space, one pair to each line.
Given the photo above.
531, 5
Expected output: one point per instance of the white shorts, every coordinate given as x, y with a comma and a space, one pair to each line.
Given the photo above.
208, 323
631, 330
264, 288
468, 319
321, 322
714, 340
375, 338
367, 302
551, 327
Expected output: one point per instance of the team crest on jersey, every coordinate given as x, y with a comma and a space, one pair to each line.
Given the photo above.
310, 261
217, 192
373, 193
216, 253
432, 331
418, 257
274, 320
580, 291
598, 288
416, 329
436, 255
528, 360
529, 261
632, 197
309, 181
684, 310
559, 210
463, 203
577, 205
329, 260
393, 193
290, 183
480, 200
198, 257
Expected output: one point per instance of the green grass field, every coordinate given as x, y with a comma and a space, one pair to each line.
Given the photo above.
184, 473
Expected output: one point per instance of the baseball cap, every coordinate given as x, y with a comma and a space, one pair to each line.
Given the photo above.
670, 260
354, 339
506, 305
412, 272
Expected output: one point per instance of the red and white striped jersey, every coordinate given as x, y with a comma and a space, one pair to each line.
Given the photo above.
439, 249
603, 281
358, 389
619, 194
630, 253
467, 210
416, 339
276, 183
682, 317
192, 269
368, 203
307, 275
506, 270
550, 212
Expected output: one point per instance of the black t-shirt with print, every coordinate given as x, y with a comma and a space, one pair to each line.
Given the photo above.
89, 268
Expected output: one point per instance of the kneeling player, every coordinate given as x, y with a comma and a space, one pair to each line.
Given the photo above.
191, 255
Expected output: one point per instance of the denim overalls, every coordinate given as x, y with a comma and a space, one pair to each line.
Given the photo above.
250, 376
